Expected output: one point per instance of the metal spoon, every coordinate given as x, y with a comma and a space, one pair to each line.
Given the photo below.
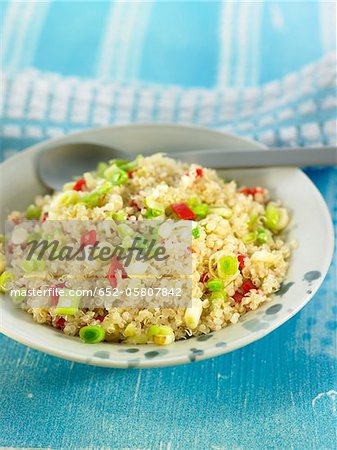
59, 164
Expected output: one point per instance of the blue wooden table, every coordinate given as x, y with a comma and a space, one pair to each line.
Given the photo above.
279, 392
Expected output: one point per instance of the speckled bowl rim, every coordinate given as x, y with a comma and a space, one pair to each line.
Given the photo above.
209, 350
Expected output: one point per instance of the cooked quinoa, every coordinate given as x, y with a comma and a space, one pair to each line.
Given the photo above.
239, 254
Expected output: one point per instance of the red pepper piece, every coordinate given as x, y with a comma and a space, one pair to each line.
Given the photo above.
183, 211
44, 217
54, 295
199, 172
79, 185
88, 238
100, 318
130, 173
252, 191
204, 277
238, 297
248, 285
241, 260
60, 322
134, 204
115, 266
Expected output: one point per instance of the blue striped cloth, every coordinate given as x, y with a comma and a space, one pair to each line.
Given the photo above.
265, 70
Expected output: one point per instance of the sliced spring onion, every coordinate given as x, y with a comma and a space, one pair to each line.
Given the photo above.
90, 181
264, 256
124, 230
67, 304
194, 202
101, 168
248, 238
105, 188
18, 298
153, 203
68, 198
95, 198
92, 334
224, 212
92, 200
5, 281
153, 213
193, 313
218, 295
272, 217
200, 210
33, 265
196, 233
153, 331
33, 212
120, 215
252, 221
129, 165
215, 285
227, 266
276, 219
116, 175
262, 235
161, 334
284, 219
164, 339
33, 237
218, 298
138, 339
130, 330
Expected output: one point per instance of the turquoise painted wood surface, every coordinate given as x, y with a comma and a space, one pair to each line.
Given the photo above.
279, 392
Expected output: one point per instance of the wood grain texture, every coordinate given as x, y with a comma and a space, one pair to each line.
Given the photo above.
279, 392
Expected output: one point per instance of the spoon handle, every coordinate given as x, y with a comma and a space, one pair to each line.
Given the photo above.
298, 157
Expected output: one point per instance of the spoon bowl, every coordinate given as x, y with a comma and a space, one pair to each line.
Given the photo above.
59, 164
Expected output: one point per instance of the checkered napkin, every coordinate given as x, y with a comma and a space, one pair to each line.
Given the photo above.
299, 109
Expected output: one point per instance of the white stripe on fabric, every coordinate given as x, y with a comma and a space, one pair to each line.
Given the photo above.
129, 25
10, 26
328, 25
121, 48
27, 56
226, 43
243, 38
111, 46
129, 67
254, 38
23, 26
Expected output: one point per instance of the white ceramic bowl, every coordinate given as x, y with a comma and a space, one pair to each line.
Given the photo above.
311, 226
